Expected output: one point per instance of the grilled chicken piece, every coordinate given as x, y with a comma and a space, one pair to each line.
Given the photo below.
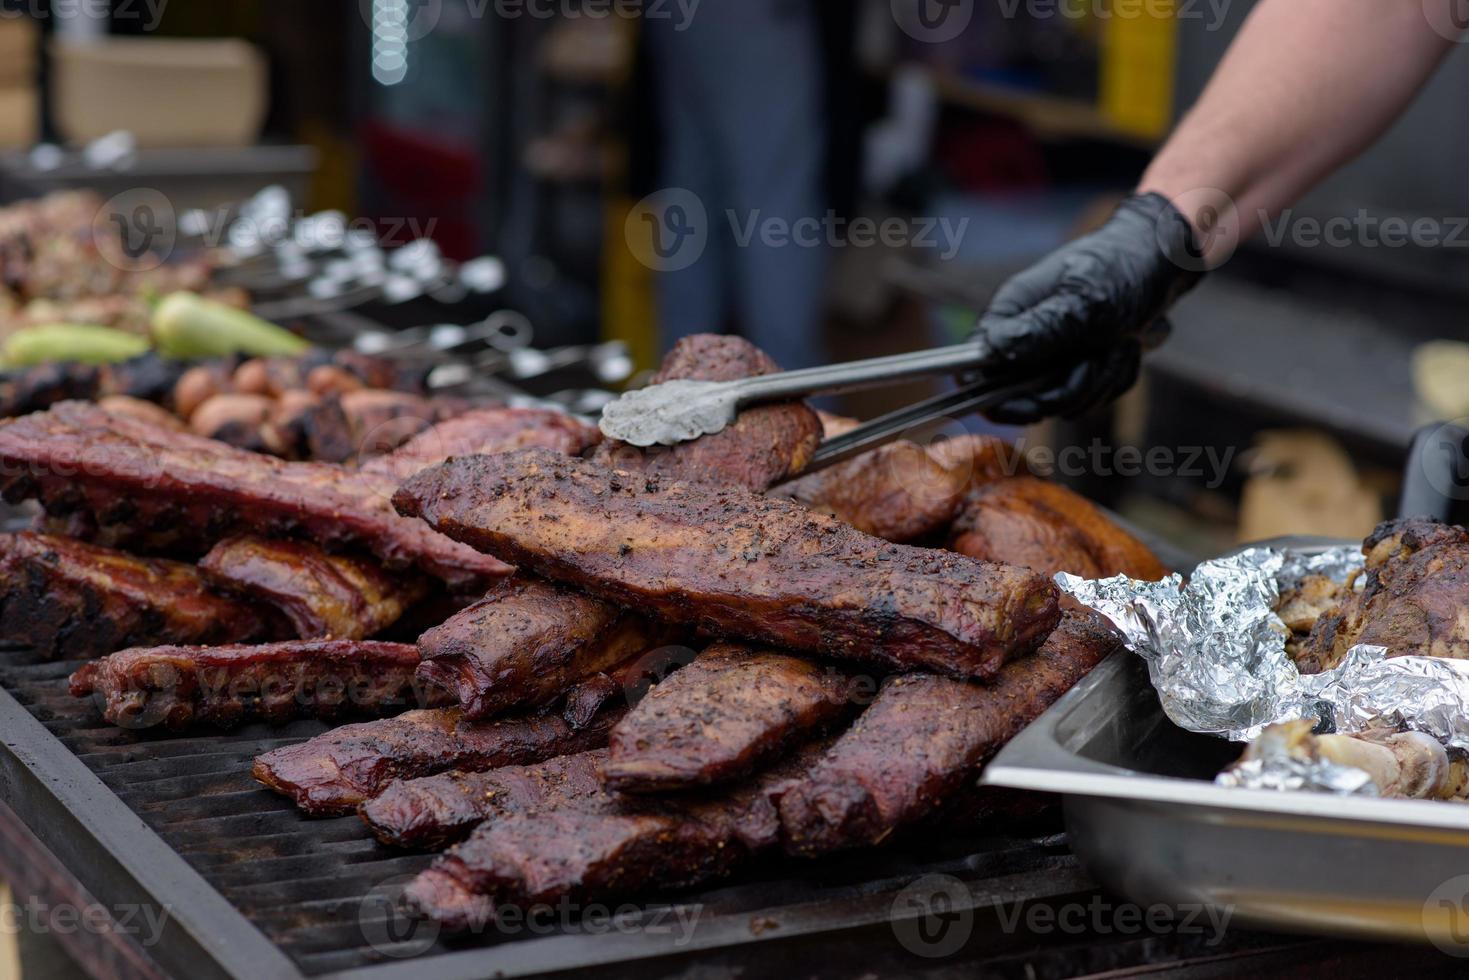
1048, 528
719, 718
432, 812
1412, 600
902, 492
924, 736
70, 600
323, 595
525, 644
736, 563
763, 446
137, 482
493, 656
487, 430
332, 773
602, 847
277, 682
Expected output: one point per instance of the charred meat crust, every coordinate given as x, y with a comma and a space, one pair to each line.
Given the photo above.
70, 600
487, 430
738, 564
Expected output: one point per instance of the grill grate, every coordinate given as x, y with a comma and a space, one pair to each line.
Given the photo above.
303, 883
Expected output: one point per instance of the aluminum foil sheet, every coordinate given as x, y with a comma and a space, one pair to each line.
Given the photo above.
1216, 654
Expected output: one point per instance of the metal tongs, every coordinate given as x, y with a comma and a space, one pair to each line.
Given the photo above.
677, 411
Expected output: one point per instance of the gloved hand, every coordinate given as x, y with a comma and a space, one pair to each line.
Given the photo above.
1072, 328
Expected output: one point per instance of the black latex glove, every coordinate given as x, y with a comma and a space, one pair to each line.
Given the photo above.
1072, 328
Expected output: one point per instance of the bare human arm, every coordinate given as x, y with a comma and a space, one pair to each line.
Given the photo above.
1306, 86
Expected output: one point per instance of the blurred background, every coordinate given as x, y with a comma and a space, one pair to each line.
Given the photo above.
832, 178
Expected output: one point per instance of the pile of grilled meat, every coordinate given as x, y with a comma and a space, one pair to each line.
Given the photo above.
599, 670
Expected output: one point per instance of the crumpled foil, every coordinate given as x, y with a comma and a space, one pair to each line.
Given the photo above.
1288, 773
1215, 651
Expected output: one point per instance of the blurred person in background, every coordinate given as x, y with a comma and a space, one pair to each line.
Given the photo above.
742, 103
1306, 86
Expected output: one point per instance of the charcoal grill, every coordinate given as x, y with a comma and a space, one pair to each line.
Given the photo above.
252, 889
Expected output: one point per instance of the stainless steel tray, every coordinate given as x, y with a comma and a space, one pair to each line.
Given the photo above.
1144, 816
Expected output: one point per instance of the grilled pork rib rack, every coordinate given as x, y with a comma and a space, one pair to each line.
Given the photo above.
685, 671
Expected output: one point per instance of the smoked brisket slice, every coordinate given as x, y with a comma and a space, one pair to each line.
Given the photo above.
334, 772
602, 847
350, 597
737, 564
924, 736
432, 812
719, 718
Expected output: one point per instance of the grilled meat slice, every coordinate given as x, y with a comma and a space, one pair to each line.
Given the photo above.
70, 600
603, 846
924, 736
137, 481
432, 812
899, 492
276, 682
494, 655
525, 644
736, 563
334, 772
719, 718
763, 446
488, 430
323, 595
1412, 599
1048, 528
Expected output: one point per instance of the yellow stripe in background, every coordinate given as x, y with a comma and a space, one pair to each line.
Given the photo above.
1139, 57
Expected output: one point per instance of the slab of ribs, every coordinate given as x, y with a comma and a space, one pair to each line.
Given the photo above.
737, 564
694, 661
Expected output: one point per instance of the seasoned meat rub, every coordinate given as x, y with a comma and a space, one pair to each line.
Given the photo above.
181, 686
136, 481
323, 595
334, 772
70, 600
433, 812
719, 718
737, 564
924, 736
